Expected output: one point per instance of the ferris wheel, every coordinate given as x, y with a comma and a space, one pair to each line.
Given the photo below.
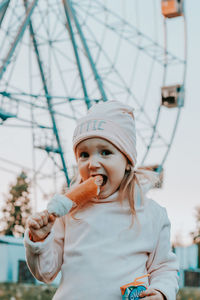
58, 58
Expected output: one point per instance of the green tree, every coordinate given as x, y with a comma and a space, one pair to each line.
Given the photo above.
196, 233
17, 207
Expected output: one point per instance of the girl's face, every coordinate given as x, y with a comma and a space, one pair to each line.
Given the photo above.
97, 156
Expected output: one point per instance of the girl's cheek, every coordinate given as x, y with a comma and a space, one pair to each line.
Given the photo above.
82, 168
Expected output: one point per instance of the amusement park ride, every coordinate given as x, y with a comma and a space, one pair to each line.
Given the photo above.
57, 58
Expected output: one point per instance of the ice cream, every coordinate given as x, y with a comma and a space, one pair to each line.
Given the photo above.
85, 191
60, 205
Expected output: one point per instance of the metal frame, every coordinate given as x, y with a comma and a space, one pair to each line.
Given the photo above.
130, 34
3, 7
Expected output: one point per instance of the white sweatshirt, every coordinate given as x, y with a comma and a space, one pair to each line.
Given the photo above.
100, 252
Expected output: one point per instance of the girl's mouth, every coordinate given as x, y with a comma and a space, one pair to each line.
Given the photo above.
105, 178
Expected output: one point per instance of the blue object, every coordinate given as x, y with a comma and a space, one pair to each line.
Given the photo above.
133, 292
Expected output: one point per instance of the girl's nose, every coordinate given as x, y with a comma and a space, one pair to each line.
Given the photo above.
94, 162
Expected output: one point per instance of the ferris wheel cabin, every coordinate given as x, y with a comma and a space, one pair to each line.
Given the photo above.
172, 8
172, 96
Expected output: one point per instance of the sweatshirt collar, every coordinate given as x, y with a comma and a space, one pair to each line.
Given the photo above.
139, 200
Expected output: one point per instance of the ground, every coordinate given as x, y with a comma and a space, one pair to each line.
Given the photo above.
45, 292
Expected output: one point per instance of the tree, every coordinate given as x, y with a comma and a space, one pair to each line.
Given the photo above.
178, 240
196, 233
17, 207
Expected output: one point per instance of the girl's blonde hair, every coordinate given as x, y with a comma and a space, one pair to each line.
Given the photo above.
141, 177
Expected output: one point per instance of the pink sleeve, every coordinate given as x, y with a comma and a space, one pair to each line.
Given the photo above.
45, 258
162, 264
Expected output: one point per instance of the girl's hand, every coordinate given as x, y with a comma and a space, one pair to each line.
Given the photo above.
40, 225
151, 294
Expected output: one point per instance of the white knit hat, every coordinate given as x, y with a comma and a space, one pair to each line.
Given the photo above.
112, 121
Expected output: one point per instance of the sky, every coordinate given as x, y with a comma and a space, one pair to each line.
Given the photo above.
180, 191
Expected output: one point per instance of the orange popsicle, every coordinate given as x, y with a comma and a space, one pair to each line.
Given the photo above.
60, 205
85, 191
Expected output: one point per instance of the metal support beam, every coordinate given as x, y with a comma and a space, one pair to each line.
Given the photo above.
18, 38
48, 98
67, 13
3, 4
87, 51
3, 7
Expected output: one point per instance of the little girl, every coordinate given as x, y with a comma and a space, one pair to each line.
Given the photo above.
107, 244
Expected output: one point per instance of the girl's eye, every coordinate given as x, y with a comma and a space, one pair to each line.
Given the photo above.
106, 152
84, 155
